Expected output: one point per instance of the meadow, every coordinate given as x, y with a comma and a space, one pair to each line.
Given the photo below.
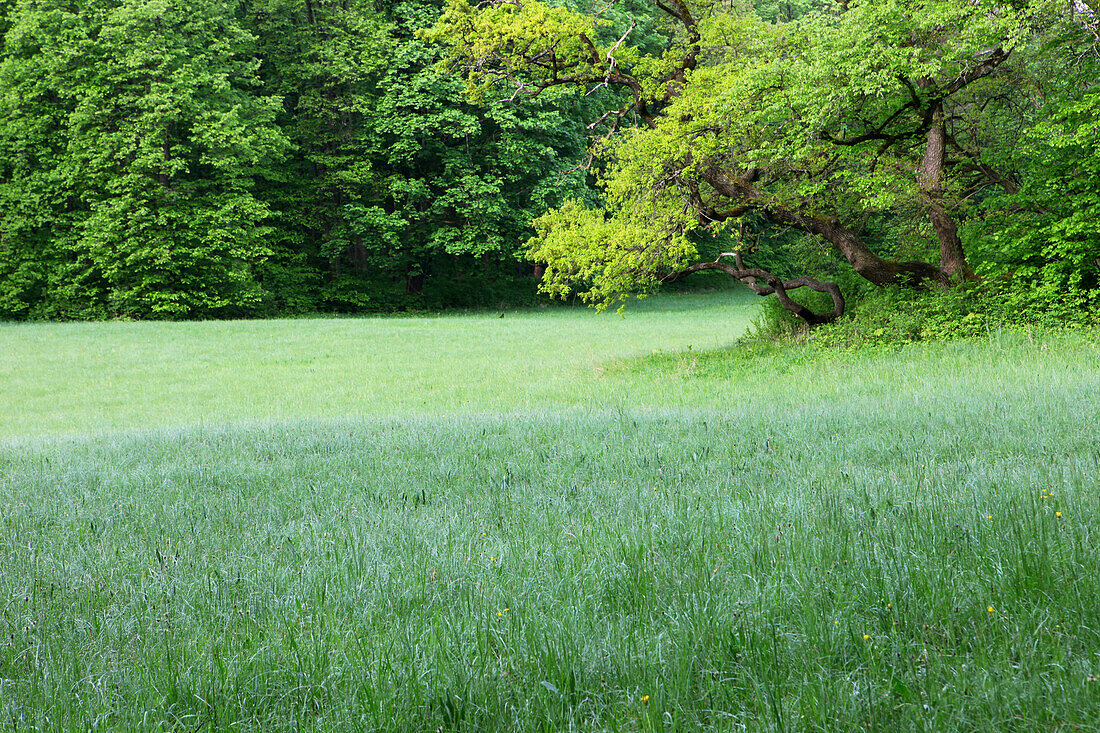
547, 521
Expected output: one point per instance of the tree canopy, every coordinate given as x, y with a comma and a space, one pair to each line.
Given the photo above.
161, 159
834, 120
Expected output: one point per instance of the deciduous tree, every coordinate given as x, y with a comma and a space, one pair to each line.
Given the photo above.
131, 143
814, 125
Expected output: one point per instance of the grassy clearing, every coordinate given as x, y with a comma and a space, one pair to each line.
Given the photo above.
78, 378
819, 541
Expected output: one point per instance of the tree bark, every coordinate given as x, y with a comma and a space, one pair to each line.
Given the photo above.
930, 177
750, 276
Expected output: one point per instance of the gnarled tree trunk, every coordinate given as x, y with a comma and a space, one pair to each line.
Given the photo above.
930, 177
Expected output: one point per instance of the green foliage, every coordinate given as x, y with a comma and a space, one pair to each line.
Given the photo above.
274, 157
1048, 232
601, 260
322, 59
132, 142
895, 316
775, 98
786, 11
809, 116
464, 180
397, 181
162, 161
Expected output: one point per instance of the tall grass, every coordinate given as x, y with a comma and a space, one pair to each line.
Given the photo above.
816, 541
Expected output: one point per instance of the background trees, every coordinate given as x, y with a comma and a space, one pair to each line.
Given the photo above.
132, 143
1038, 218
162, 159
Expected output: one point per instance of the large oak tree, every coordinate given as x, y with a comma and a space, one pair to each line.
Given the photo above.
852, 111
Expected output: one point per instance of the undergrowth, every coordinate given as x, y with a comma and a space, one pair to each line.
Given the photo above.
888, 317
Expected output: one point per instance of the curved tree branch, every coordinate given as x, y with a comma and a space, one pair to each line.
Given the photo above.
751, 277
863, 260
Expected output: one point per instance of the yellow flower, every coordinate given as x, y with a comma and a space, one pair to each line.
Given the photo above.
645, 698
1057, 514
990, 609
866, 636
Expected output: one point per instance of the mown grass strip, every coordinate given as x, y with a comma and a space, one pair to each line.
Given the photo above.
80, 378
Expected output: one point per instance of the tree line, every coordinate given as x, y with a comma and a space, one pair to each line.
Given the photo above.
168, 159
161, 159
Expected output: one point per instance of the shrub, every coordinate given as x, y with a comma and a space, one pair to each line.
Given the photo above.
892, 316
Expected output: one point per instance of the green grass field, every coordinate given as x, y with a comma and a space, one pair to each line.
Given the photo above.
550, 521
83, 378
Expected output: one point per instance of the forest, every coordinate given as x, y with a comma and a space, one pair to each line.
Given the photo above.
162, 160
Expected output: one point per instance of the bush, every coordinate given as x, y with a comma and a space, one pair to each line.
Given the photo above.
890, 316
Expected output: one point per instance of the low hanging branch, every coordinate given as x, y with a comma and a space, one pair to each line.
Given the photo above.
863, 260
752, 276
